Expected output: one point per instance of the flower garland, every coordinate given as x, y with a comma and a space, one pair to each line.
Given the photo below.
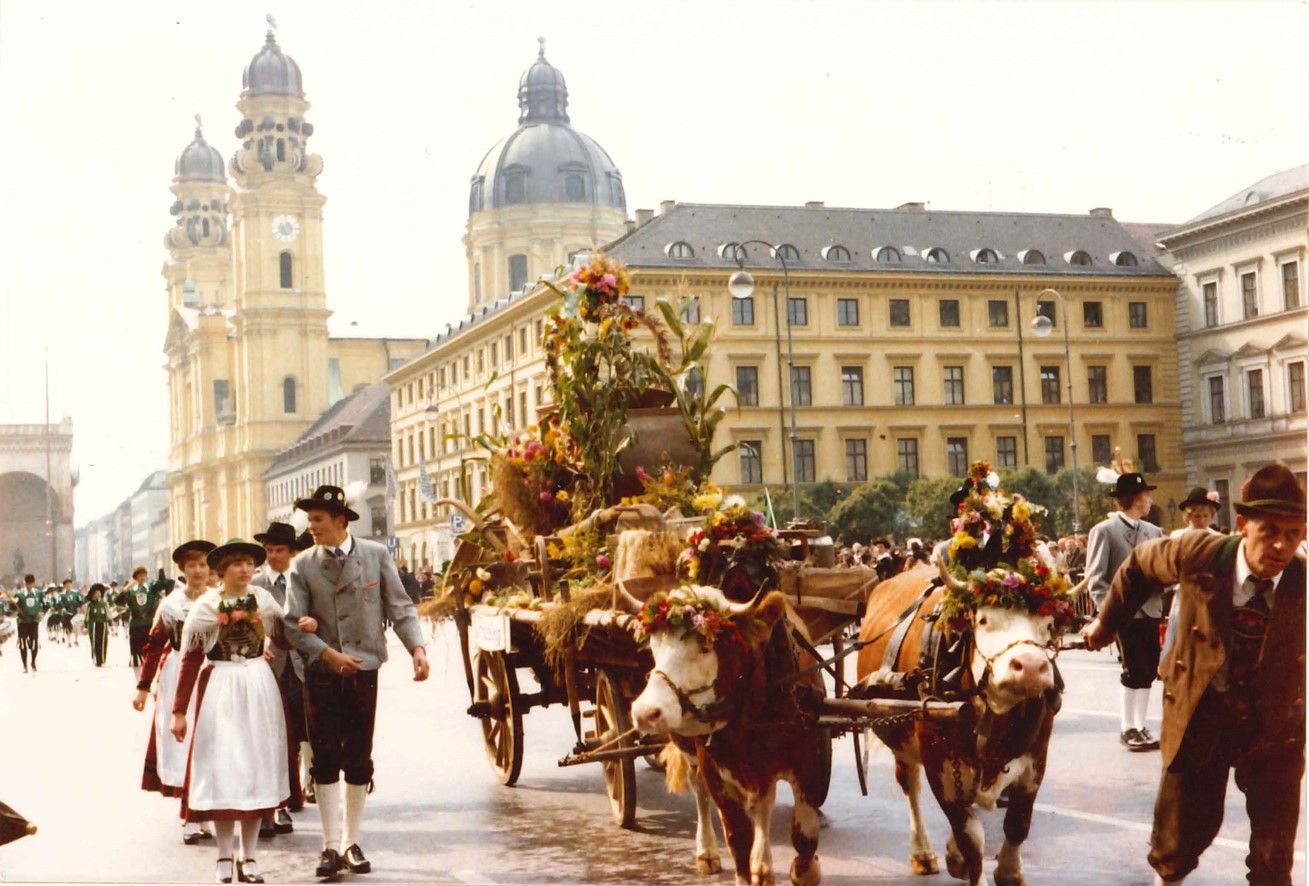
734, 526
239, 609
600, 282
684, 611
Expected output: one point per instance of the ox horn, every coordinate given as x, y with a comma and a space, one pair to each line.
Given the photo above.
735, 609
624, 600
949, 580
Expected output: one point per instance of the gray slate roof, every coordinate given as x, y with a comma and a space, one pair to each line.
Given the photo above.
1279, 184
706, 227
362, 417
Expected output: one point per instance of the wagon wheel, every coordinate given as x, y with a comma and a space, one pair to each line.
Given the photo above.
502, 730
612, 719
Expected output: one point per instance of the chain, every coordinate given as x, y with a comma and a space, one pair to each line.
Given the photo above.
957, 773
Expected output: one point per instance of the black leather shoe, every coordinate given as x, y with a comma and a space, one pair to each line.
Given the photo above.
267, 829
223, 871
1133, 740
192, 838
329, 864
282, 822
355, 861
1150, 742
248, 872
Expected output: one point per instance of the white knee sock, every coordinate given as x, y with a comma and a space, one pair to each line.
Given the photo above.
1126, 707
306, 762
355, 795
249, 837
329, 811
1140, 701
223, 838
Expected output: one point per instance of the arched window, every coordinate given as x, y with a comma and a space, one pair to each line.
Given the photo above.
787, 252
1033, 257
1080, 258
836, 253
987, 257
288, 395
887, 254
936, 255
574, 189
281, 150
1122, 260
733, 252
205, 225
516, 189
680, 249
286, 267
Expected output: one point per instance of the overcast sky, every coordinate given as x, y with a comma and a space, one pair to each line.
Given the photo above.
1156, 110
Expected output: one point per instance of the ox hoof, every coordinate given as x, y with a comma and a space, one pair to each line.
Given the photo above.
1009, 880
925, 864
762, 878
806, 874
708, 864
956, 866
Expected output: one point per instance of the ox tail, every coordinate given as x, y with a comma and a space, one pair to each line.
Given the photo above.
677, 769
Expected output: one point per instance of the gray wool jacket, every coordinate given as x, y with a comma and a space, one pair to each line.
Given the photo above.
1107, 547
348, 597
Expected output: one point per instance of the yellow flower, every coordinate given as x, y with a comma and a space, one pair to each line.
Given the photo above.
475, 586
552, 551
964, 540
561, 495
1022, 512
707, 501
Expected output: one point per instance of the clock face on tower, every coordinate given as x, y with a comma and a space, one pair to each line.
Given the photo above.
286, 228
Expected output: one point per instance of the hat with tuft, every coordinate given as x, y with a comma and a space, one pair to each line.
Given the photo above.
330, 499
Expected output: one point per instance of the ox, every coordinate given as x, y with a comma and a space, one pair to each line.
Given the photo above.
734, 707
1000, 740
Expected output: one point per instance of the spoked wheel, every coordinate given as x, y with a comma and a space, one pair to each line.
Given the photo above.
612, 719
496, 685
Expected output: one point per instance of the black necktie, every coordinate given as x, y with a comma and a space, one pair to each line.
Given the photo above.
1260, 587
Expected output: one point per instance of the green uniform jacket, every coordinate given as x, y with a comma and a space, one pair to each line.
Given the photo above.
97, 612
31, 605
141, 603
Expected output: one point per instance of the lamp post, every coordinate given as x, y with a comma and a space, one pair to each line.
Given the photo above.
1042, 326
741, 285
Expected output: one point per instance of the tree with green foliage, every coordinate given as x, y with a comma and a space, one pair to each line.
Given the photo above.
927, 503
872, 509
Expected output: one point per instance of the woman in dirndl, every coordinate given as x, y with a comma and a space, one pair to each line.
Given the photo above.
240, 753
165, 758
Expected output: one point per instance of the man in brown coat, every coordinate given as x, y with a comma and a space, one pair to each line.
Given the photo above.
1234, 682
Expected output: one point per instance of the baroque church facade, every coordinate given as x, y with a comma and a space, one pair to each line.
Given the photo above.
251, 364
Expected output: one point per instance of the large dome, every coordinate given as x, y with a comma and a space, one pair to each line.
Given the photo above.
545, 160
272, 72
200, 161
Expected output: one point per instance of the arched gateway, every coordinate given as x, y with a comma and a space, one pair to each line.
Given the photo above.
28, 543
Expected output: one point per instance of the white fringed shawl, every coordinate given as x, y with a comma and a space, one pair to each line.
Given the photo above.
201, 628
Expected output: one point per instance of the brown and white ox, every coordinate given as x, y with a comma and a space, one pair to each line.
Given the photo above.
723, 707
999, 743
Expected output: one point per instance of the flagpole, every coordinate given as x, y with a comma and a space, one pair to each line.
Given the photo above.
49, 485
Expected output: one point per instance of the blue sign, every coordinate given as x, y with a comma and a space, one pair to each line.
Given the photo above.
393, 545
457, 523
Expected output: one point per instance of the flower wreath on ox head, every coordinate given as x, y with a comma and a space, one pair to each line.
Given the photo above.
686, 613
212, 611
993, 559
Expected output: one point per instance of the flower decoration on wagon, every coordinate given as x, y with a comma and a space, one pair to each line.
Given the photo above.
534, 476
993, 559
685, 612
734, 533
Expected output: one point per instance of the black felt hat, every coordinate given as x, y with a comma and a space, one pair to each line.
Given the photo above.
303, 542
237, 546
1130, 484
277, 534
1272, 490
1199, 496
198, 545
95, 587
330, 499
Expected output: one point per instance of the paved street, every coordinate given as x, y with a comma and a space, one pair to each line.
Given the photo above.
74, 759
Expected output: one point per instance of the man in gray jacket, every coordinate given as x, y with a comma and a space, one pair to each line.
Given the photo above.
1109, 545
340, 591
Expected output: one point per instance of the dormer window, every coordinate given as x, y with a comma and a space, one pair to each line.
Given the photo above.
1031, 257
574, 189
1080, 258
886, 255
1124, 260
679, 249
515, 189
936, 256
836, 253
986, 257
733, 252
787, 252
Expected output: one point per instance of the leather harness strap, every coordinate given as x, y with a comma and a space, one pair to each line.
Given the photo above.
891, 658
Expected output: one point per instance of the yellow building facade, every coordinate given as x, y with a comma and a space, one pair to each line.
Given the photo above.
250, 360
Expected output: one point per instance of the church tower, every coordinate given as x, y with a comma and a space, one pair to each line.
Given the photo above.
540, 194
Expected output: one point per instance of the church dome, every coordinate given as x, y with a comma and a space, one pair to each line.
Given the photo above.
545, 160
272, 72
200, 161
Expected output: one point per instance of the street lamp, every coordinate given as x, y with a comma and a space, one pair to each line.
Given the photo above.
741, 285
1042, 326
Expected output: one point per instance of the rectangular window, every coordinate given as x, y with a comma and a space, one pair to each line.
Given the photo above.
540, 330
954, 386
1092, 314
903, 382
1049, 384
517, 272
522, 341
1224, 516
1054, 455
797, 311
1255, 385
997, 312
899, 311
1145, 451
1217, 407
956, 456
1137, 318
691, 312
802, 393
743, 311
222, 402
495, 355
1291, 285
847, 312
752, 464
635, 302
747, 385
538, 395
804, 461
376, 471
1295, 387
1100, 451
1006, 452
1002, 385
856, 461
522, 406
852, 386
1143, 384
949, 313
509, 348
1046, 309
1249, 296
695, 383
1097, 383
906, 455
1210, 304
